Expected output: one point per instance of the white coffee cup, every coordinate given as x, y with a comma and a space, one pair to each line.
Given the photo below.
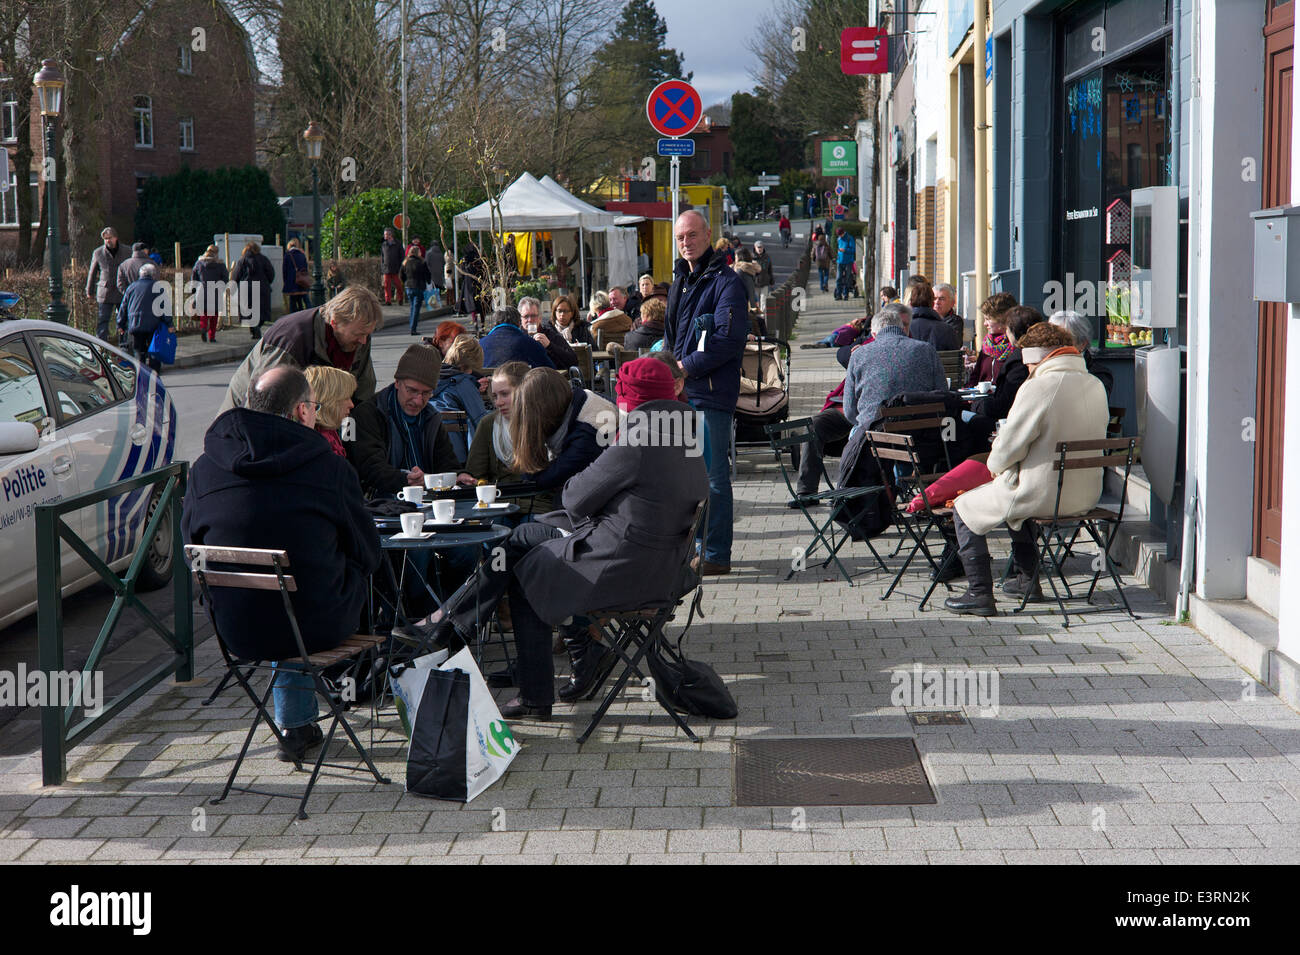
984, 387
487, 493
433, 482
447, 480
412, 523
413, 494
444, 511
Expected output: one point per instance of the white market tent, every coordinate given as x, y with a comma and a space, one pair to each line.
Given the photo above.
532, 205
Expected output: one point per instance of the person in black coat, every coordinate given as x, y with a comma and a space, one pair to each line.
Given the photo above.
267, 478
507, 341
927, 326
436, 260
415, 279
399, 434
985, 413
620, 540
256, 276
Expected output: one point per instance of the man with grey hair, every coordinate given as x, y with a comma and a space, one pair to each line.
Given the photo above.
146, 304
945, 304
545, 334
890, 364
267, 478
101, 280
1081, 330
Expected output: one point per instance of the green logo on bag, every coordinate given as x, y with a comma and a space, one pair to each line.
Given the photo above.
500, 735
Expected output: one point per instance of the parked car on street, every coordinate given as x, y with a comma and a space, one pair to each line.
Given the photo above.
76, 414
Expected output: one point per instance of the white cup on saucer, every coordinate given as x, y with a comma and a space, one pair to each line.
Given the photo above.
444, 511
984, 387
433, 482
487, 494
412, 495
412, 523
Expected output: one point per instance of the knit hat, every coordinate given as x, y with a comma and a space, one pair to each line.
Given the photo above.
642, 380
420, 363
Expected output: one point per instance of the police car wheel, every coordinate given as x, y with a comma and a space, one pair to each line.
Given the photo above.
157, 570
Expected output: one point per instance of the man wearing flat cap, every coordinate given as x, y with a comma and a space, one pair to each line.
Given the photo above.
399, 436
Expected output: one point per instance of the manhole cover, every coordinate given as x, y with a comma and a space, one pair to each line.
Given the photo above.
938, 718
830, 771
773, 657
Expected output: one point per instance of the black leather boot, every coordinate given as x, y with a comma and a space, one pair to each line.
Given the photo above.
591, 661
978, 598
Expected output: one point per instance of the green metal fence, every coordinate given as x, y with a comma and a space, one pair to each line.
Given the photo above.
58, 733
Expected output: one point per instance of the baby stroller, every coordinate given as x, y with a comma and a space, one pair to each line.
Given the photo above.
764, 397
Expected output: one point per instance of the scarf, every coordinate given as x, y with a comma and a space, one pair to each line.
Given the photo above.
566, 331
338, 357
502, 446
997, 346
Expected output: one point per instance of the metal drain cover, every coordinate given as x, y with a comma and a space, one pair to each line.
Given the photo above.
774, 656
830, 771
937, 718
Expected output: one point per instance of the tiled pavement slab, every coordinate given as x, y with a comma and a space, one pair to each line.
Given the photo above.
1115, 741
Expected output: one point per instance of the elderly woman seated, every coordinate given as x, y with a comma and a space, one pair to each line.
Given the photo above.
626, 521
1059, 401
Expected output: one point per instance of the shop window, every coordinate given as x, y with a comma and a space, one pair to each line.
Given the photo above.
187, 134
8, 116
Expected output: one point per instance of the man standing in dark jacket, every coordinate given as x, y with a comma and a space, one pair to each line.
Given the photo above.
437, 263
705, 330
399, 436
267, 478
390, 263
927, 326
508, 342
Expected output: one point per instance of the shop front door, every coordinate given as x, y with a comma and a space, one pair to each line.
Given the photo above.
1271, 375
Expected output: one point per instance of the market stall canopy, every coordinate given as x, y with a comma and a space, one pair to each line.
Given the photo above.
529, 205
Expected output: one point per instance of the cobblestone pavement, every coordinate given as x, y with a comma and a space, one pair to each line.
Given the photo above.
1114, 741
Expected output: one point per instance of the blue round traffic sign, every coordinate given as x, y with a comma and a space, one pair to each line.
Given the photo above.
673, 108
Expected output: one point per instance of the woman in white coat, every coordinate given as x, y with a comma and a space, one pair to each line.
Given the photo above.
1060, 401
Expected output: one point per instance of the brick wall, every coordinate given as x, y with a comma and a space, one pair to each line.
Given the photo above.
940, 235
925, 232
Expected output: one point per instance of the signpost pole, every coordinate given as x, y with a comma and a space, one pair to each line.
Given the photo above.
674, 182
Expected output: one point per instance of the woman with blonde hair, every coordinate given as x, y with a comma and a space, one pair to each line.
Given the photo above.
333, 389
297, 278
208, 271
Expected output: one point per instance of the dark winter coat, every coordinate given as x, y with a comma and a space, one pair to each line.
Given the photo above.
130, 268
415, 275
255, 270
927, 326
458, 391
298, 337
266, 481
586, 431
145, 306
390, 256
379, 452
712, 296
557, 349
508, 342
207, 273
436, 260
630, 512
295, 261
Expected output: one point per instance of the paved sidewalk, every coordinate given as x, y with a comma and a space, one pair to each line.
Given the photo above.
1115, 741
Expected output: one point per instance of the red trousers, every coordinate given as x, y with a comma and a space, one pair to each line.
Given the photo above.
393, 289
208, 326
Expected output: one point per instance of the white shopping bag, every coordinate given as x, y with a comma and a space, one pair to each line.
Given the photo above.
490, 747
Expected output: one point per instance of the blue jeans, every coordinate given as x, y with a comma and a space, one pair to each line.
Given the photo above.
416, 299
824, 273
294, 696
717, 458
844, 280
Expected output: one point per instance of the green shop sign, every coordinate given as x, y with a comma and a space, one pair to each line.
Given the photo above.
840, 159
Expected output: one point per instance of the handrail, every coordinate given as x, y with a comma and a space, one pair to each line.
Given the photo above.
57, 736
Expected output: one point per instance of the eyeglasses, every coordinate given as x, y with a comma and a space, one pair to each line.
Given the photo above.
418, 393
315, 405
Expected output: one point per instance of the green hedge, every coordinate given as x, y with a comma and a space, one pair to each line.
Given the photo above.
365, 217
193, 205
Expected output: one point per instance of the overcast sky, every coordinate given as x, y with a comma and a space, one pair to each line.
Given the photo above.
711, 36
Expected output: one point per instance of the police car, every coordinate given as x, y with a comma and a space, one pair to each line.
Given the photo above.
76, 415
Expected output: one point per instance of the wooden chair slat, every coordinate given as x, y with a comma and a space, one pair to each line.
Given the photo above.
893, 454
256, 556
910, 424
226, 578
912, 411
1083, 464
1096, 444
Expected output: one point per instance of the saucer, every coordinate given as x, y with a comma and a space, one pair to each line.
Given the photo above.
403, 536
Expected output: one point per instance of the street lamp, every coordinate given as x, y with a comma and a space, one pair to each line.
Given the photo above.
49, 89
315, 143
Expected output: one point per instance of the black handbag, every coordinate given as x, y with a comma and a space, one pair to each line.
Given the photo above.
688, 686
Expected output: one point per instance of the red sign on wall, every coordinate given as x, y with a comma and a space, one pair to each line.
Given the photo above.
864, 50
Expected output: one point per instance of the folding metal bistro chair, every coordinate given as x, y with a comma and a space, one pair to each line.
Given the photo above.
916, 420
633, 632
586, 366
797, 436
1100, 524
901, 449
359, 649
953, 366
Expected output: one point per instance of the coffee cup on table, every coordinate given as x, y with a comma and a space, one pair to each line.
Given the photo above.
447, 480
984, 387
433, 482
412, 523
487, 494
412, 495
444, 511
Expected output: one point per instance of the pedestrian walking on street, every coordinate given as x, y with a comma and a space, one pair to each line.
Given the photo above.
129, 270
255, 275
390, 263
748, 271
101, 280
822, 256
145, 306
705, 329
210, 276
846, 255
297, 276
435, 259
783, 226
763, 280
415, 279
